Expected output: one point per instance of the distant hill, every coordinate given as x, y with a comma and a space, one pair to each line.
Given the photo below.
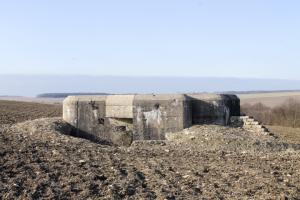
260, 91
64, 95
31, 85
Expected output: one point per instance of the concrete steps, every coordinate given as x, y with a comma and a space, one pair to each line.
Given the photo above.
249, 124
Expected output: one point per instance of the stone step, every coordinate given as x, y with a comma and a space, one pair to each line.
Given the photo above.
252, 123
244, 117
250, 120
254, 126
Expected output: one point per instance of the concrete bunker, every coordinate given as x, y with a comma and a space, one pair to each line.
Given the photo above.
124, 118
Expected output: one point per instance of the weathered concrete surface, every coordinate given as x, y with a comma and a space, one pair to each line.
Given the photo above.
70, 111
154, 115
119, 106
146, 117
213, 108
87, 115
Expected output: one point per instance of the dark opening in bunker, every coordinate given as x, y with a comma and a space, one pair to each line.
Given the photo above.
101, 121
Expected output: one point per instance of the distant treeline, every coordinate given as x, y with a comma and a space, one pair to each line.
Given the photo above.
64, 95
287, 114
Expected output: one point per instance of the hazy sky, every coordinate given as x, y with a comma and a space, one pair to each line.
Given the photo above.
236, 38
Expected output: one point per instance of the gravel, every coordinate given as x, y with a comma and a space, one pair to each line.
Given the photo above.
41, 160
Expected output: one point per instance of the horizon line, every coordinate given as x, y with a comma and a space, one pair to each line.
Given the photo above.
147, 76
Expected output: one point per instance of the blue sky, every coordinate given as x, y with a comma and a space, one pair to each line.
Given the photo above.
215, 38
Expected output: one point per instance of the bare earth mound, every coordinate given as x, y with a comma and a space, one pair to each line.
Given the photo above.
39, 160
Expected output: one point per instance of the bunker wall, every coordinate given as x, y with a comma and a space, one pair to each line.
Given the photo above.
87, 115
213, 108
145, 117
155, 115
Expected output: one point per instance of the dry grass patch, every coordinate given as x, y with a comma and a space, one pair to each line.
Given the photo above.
290, 135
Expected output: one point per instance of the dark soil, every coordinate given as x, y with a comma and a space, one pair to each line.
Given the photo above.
39, 160
12, 111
